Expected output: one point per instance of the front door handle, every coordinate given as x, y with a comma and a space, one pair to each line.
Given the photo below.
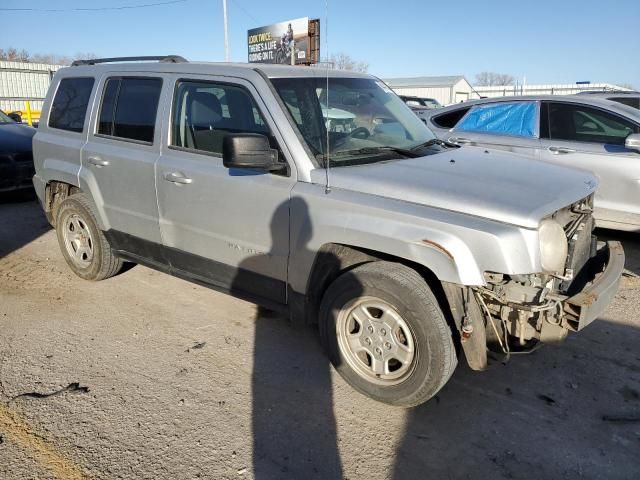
460, 140
561, 150
98, 162
177, 177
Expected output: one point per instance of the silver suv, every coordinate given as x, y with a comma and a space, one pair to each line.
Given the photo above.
404, 249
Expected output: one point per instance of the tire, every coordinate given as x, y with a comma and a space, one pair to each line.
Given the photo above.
400, 316
83, 245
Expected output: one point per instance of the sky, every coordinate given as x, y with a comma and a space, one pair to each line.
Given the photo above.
542, 41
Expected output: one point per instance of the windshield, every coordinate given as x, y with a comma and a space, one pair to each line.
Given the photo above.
4, 118
364, 119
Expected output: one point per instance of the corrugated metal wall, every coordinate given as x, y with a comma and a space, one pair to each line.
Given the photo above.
24, 81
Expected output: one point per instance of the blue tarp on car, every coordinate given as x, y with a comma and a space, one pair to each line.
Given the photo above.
517, 118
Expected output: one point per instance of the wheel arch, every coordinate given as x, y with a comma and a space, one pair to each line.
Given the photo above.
54, 193
334, 259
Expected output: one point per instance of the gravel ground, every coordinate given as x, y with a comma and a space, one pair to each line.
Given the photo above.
153, 377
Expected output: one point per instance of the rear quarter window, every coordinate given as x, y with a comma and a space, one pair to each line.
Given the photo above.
69, 107
450, 119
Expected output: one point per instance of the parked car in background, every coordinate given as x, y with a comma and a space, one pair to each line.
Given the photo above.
219, 173
420, 102
631, 99
420, 106
580, 131
16, 158
15, 116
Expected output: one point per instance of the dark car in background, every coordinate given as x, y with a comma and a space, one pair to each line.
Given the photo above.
420, 106
420, 102
16, 156
632, 99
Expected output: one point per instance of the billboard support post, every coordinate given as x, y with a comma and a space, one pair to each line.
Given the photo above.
226, 31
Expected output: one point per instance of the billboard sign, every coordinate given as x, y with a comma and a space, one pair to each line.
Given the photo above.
278, 42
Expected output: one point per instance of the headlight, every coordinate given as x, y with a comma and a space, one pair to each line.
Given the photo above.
553, 246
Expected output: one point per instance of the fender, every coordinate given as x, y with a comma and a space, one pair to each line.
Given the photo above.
456, 247
449, 258
87, 182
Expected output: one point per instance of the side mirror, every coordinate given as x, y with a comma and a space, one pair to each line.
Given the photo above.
250, 151
632, 142
15, 117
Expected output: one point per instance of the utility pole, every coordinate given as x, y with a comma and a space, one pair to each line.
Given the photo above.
226, 31
293, 52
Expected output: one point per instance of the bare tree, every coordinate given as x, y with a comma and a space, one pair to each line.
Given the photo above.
342, 61
489, 79
14, 55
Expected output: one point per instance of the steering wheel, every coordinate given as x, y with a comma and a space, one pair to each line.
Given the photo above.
360, 132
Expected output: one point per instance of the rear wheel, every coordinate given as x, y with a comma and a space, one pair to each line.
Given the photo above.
84, 246
386, 335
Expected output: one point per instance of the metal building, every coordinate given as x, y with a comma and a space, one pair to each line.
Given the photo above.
446, 89
21, 81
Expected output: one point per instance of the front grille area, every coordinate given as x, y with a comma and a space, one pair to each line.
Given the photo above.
579, 225
582, 246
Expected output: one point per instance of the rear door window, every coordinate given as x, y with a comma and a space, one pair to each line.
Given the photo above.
69, 107
581, 123
450, 119
129, 107
517, 119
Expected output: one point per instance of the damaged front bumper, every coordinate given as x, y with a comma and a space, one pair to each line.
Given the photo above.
606, 268
522, 310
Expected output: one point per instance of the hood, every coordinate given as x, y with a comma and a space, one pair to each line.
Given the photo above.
15, 138
495, 185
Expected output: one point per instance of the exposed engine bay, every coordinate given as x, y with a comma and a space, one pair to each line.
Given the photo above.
521, 311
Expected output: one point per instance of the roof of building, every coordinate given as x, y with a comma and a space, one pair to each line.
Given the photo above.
440, 81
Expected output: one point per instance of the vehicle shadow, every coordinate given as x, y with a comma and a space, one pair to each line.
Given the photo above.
563, 412
21, 220
294, 426
630, 243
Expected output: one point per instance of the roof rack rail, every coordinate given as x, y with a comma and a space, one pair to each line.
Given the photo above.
163, 58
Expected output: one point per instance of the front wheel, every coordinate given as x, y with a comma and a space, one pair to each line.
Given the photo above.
386, 335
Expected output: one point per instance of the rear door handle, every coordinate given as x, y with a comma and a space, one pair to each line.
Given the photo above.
177, 177
98, 162
460, 140
561, 150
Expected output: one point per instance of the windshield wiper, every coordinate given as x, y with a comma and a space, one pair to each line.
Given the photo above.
435, 141
375, 150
